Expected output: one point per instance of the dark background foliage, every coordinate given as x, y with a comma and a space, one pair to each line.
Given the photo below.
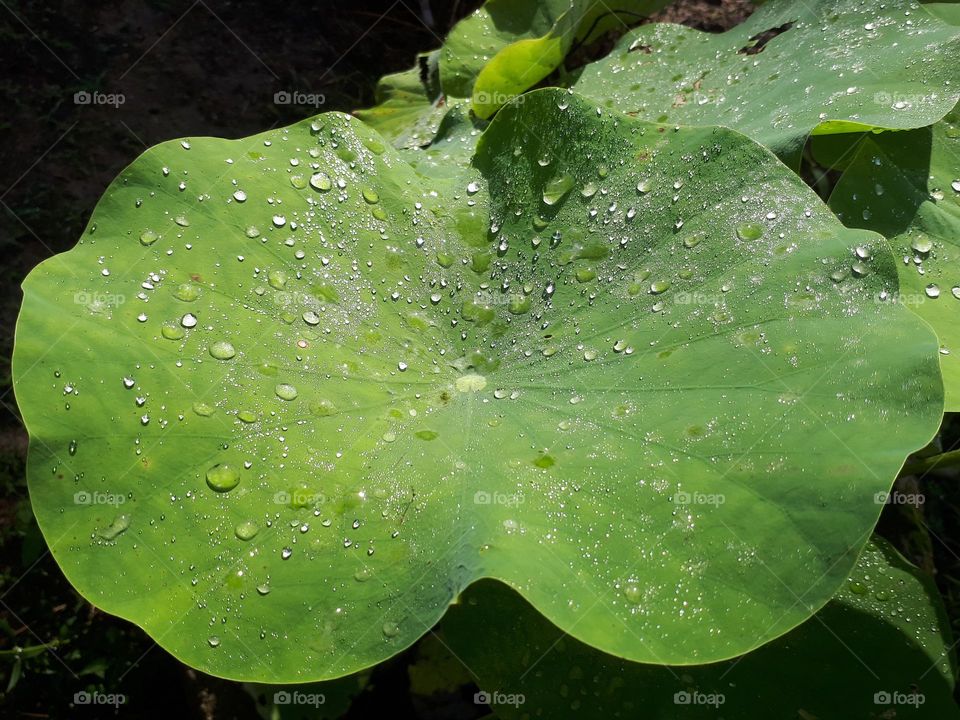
212, 67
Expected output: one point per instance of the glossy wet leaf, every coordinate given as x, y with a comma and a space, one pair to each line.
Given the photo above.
647, 402
879, 649
508, 46
410, 105
827, 66
947, 11
907, 187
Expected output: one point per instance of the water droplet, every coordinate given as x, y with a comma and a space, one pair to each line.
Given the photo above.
203, 410
286, 392
222, 350
470, 383
556, 188
116, 528
222, 478
277, 279
632, 592
286, 553
187, 292
246, 530
643, 187
370, 195
72, 447
321, 181
932, 290
189, 320
749, 231
171, 331
240, 196
391, 629
213, 641
921, 244
148, 237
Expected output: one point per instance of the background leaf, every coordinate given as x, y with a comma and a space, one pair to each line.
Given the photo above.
508, 46
907, 186
410, 104
829, 66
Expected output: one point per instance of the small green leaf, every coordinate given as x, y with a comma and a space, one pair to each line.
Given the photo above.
508, 46
907, 186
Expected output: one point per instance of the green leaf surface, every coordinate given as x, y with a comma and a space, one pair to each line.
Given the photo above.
907, 186
826, 66
287, 397
508, 46
410, 105
878, 649
947, 11
835, 152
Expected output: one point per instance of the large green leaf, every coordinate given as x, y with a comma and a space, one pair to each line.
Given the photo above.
879, 649
508, 46
609, 366
907, 186
835, 66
